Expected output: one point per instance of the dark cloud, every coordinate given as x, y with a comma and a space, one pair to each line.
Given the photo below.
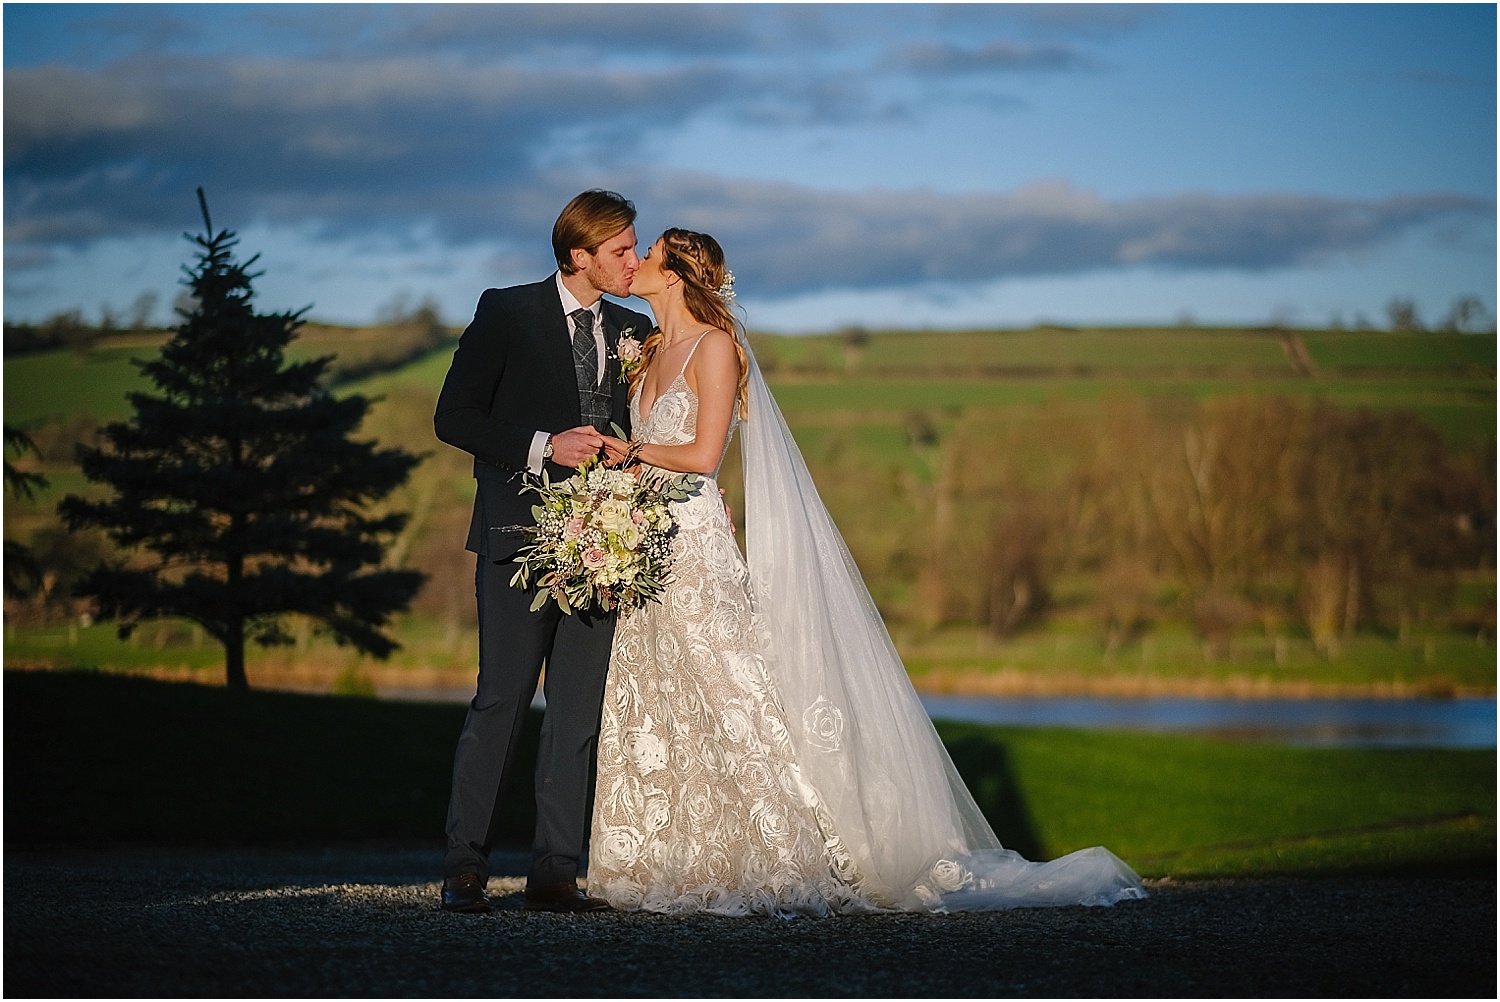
96, 34
26, 259
625, 29
483, 152
90, 154
998, 56
455, 98
129, 165
786, 239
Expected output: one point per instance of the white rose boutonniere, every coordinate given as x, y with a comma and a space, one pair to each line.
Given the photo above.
628, 351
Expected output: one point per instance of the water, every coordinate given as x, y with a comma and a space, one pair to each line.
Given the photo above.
1348, 723
1367, 723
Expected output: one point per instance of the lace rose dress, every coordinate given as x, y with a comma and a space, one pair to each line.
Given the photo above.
698, 804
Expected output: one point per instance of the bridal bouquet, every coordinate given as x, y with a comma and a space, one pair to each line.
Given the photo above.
601, 538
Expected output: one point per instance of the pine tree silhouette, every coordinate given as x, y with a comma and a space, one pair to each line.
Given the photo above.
23, 574
237, 486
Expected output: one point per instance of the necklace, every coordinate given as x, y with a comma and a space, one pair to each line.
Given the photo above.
680, 337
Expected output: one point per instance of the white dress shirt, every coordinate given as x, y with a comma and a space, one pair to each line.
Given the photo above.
570, 304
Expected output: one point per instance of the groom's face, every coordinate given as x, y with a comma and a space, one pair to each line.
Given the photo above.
612, 265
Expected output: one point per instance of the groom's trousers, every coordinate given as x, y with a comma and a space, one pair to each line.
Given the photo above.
514, 643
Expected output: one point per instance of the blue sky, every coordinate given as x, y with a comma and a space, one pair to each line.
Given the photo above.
947, 165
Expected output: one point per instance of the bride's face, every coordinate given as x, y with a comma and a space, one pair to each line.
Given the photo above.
651, 277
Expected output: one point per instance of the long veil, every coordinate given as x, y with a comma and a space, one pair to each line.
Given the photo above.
902, 822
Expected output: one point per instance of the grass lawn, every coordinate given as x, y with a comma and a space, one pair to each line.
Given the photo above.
93, 758
1195, 807
61, 384
1437, 663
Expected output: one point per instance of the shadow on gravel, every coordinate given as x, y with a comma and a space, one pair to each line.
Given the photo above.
364, 922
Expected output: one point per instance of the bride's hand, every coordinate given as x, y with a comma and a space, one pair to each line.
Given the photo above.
615, 450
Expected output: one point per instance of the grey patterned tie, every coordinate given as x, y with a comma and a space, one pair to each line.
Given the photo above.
585, 352
594, 400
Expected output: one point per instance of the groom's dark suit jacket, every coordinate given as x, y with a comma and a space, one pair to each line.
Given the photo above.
511, 377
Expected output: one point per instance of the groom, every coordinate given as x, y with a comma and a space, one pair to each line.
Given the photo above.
533, 384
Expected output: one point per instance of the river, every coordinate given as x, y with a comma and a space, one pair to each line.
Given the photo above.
1394, 723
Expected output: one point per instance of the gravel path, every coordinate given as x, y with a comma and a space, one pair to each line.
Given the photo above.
364, 922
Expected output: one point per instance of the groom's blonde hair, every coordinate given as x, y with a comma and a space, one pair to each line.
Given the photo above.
586, 222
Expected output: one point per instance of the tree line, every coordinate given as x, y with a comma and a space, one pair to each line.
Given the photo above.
69, 329
1287, 515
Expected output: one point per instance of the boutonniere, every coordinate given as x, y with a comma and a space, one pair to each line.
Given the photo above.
628, 353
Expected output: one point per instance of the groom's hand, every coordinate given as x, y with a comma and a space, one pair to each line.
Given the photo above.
572, 447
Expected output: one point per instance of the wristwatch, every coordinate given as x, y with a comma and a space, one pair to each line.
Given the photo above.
547, 449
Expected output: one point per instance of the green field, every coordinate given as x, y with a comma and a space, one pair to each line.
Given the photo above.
96, 759
882, 419
62, 385
897, 370
1057, 349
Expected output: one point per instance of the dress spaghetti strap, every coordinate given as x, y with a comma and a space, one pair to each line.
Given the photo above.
683, 371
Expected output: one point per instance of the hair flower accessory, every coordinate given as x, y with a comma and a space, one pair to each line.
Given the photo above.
726, 291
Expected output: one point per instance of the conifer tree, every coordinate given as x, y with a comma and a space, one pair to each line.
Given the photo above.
23, 574
237, 485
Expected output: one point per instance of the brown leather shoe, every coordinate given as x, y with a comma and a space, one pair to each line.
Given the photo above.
563, 896
465, 893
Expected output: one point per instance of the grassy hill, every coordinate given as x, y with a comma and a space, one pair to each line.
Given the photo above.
935, 450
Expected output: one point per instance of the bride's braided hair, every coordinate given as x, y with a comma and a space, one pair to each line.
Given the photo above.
699, 260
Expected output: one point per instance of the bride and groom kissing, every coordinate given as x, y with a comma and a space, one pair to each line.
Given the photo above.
759, 747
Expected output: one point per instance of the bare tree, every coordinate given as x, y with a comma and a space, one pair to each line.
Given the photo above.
1402, 314
1468, 316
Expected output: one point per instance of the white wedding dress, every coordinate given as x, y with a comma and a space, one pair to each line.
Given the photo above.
761, 749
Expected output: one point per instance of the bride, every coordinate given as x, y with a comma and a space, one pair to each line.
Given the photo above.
762, 750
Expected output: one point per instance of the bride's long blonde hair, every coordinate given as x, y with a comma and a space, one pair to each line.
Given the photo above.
698, 260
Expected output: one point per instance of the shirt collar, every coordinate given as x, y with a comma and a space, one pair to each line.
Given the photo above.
570, 302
